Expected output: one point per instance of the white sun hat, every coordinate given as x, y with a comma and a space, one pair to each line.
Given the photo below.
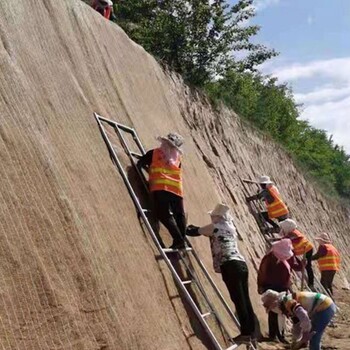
174, 139
220, 210
288, 225
324, 238
264, 180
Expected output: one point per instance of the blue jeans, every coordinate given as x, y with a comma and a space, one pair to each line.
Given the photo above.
320, 321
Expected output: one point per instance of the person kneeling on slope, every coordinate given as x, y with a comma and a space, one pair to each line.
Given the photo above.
228, 261
276, 209
165, 183
310, 312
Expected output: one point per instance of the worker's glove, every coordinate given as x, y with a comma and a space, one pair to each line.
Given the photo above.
192, 231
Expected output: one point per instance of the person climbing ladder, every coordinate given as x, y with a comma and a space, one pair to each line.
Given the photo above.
276, 209
163, 165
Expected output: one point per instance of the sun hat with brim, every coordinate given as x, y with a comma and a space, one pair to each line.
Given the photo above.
220, 210
271, 299
174, 139
323, 237
264, 180
287, 226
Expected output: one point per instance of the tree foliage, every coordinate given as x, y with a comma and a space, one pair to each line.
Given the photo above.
199, 39
271, 107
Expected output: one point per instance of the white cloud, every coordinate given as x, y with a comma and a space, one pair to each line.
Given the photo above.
322, 95
337, 68
325, 106
262, 4
333, 117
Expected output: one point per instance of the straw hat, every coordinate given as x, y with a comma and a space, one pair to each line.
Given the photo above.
323, 238
220, 210
174, 139
264, 180
288, 225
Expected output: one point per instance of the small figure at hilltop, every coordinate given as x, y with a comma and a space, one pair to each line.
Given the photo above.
165, 183
310, 312
104, 7
228, 261
276, 209
302, 247
328, 259
275, 273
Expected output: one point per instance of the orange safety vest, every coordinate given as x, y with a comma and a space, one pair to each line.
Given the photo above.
331, 261
164, 176
277, 208
301, 244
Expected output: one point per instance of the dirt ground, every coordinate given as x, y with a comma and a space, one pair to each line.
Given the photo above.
337, 336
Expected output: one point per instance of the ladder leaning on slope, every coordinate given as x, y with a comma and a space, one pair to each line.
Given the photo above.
119, 129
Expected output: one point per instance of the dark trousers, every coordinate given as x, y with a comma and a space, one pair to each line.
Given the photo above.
327, 281
265, 215
169, 210
308, 267
235, 275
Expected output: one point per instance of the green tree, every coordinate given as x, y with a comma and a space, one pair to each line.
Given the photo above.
197, 38
271, 107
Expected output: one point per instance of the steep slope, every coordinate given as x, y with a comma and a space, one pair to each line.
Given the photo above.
77, 270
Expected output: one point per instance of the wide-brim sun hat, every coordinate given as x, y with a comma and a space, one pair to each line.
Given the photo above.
271, 299
174, 139
220, 210
288, 225
264, 180
323, 237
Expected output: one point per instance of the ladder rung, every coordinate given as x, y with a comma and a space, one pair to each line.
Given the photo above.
206, 314
187, 282
136, 155
234, 346
170, 250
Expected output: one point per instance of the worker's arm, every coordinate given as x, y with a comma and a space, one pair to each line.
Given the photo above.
145, 161
295, 263
322, 251
194, 231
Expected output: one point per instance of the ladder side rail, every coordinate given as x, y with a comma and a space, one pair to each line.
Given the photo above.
216, 289
128, 152
138, 142
149, 227
204, 294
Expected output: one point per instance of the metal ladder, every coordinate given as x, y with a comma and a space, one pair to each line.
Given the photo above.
119, 129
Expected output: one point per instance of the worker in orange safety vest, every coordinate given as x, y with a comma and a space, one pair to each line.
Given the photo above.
328, 259
163, 165
302, 247
276, 209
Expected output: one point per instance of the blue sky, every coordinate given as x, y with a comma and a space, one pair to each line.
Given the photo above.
313, 38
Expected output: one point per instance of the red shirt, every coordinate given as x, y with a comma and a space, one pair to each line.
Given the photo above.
275, 275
